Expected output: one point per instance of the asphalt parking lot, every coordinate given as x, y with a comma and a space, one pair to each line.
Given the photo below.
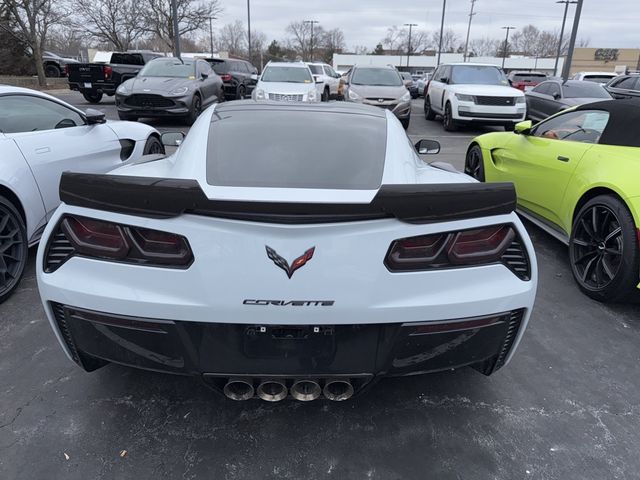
566, 407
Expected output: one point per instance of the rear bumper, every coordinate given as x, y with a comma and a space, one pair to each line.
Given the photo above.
264, 351
106, 88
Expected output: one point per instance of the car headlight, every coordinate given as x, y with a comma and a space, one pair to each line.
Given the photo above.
312, 96
465, 98
260, 94
406, 97
179, 91
521, 100
354, 96
123, 89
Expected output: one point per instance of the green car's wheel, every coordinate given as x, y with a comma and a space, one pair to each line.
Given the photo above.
603, 249
474, 163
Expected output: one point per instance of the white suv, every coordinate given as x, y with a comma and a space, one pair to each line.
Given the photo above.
286, 82
327, 80
471, 93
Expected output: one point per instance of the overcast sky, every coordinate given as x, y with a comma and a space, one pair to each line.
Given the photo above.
606, 24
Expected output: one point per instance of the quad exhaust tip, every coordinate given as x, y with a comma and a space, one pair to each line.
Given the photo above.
239, 389
305, 390
338, 390
272, 390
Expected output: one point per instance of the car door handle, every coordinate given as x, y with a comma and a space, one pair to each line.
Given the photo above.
563, 159
43, 150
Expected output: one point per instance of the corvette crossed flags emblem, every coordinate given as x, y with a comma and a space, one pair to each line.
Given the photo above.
295, 265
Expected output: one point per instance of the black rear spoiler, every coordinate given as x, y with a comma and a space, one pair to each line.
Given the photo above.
166, 198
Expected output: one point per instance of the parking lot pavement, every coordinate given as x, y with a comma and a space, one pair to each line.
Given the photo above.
567, 407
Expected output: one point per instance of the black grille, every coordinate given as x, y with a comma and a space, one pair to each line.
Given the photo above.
514, 325
148, 101
58, 251
496, 101
516, 259
61, 320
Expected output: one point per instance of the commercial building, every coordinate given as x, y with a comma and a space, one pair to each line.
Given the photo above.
617, 60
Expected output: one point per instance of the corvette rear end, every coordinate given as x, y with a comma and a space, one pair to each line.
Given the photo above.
287, 277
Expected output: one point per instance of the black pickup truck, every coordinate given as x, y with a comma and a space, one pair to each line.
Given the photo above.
100, 78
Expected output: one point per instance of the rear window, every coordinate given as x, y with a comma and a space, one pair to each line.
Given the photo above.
598, 78
529, 77
127, 59
219, 66
247, 149
584, 90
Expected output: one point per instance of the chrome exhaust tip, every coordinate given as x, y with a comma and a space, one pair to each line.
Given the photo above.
272, 390
238, 389
338, 390
305, 390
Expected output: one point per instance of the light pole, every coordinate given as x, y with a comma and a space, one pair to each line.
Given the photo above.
564, 20
466, 43
572, 42
410, 25
444, 6
249, 28
176, 31
506, 44
211, 34
311, 22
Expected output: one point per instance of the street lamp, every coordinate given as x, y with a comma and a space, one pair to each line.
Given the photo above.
311, 22
211, 34
564, 20
506, 44
249, 28
444, 7
176, 29
466, 43
566, 68
410, 25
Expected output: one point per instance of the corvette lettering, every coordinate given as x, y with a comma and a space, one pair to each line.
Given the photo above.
292, 303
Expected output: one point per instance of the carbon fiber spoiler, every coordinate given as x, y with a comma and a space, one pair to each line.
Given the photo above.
166, 198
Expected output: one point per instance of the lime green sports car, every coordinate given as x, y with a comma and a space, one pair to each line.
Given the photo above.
577, 176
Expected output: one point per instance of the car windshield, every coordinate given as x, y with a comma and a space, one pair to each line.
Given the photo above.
584, 90
169, 68
382, 77
316, 69
598, 78
477, 75
406, 76
286, 74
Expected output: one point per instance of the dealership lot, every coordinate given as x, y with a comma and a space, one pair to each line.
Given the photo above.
566, 407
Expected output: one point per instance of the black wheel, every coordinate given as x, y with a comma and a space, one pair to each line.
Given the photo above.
52, 71
13, 248
405, 122
474, 163
153, 146
127, 117
242, 91
429, 114
196, 108
92, 97
447, 119
325, 95
603, 250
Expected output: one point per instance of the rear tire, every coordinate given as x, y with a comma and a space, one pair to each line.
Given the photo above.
14, 248
603, 250
153, 146
447, 119
474, 163
92, 97
52, 71
429, 114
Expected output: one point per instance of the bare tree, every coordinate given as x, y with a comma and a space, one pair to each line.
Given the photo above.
192, 16
32, 20
331, 42
67, 40
361, 50
116, 22
258, 48
232, 38
397, 40
484, 47
394, 39
450, 40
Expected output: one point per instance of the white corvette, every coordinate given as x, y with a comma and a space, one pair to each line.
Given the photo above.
40, 137
270, 267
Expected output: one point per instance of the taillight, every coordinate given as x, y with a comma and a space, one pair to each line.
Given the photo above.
225, 77
108, 71
99, 239
479, 246
66, 70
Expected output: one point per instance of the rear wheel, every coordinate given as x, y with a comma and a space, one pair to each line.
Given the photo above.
13, 248
429, 114
603, 249
325, 95
474, 163
92, 97
52, 71
447, 119
153, 146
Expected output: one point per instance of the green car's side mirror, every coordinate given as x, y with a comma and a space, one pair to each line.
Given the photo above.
523, 128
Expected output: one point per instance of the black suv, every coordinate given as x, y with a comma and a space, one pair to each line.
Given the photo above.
624, 86
238, 76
